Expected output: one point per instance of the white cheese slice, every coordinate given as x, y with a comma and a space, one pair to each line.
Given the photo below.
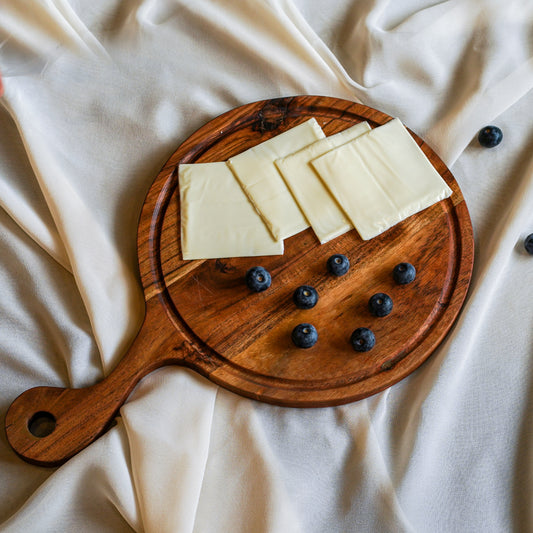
263, 184
381, 178
318, 205
217, 219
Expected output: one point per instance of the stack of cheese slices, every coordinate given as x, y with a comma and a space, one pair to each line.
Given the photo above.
362, 178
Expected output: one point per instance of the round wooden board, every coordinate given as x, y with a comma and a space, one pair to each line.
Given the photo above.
241, 340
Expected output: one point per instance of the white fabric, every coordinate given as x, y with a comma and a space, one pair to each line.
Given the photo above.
97, 95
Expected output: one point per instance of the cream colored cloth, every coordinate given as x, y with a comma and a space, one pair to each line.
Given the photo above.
97, 95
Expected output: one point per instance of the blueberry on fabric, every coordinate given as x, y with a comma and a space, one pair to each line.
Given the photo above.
363, 339
305, 297
304, 335
258, 279
338, 264
490, 136
528, 244
380, 304
404, 273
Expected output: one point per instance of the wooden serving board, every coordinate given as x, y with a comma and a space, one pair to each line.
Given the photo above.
201, 314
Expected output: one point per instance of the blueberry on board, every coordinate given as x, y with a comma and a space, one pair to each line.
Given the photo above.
404, 273
380, 304
305, 297
338, 264
490, 136
258, 279
304, 335
363, 339
528, 244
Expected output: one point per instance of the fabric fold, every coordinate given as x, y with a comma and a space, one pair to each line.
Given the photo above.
21, 197
100, 273
96, 493
170, 444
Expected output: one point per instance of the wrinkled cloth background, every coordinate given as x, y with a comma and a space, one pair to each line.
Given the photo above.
97, 95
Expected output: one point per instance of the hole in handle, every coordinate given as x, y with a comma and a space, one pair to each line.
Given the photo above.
42, 424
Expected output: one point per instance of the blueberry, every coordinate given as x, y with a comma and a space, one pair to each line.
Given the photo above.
338, 264
363, 339
258, 279
304, 335
528, 244
490, 136
305, 297
380, 304
404, 273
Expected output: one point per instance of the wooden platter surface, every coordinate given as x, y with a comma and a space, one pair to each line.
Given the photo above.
202, 315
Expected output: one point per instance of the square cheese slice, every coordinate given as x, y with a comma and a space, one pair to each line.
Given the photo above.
263, 184
217, 219
318, 205
381, 178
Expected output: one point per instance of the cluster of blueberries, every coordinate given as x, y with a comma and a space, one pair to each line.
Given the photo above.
305, 335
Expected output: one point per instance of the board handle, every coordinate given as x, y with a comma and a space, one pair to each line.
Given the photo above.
48, 425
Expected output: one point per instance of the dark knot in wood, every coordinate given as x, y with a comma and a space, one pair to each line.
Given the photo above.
272, 115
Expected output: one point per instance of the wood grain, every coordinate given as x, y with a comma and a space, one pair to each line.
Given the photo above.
200, 313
